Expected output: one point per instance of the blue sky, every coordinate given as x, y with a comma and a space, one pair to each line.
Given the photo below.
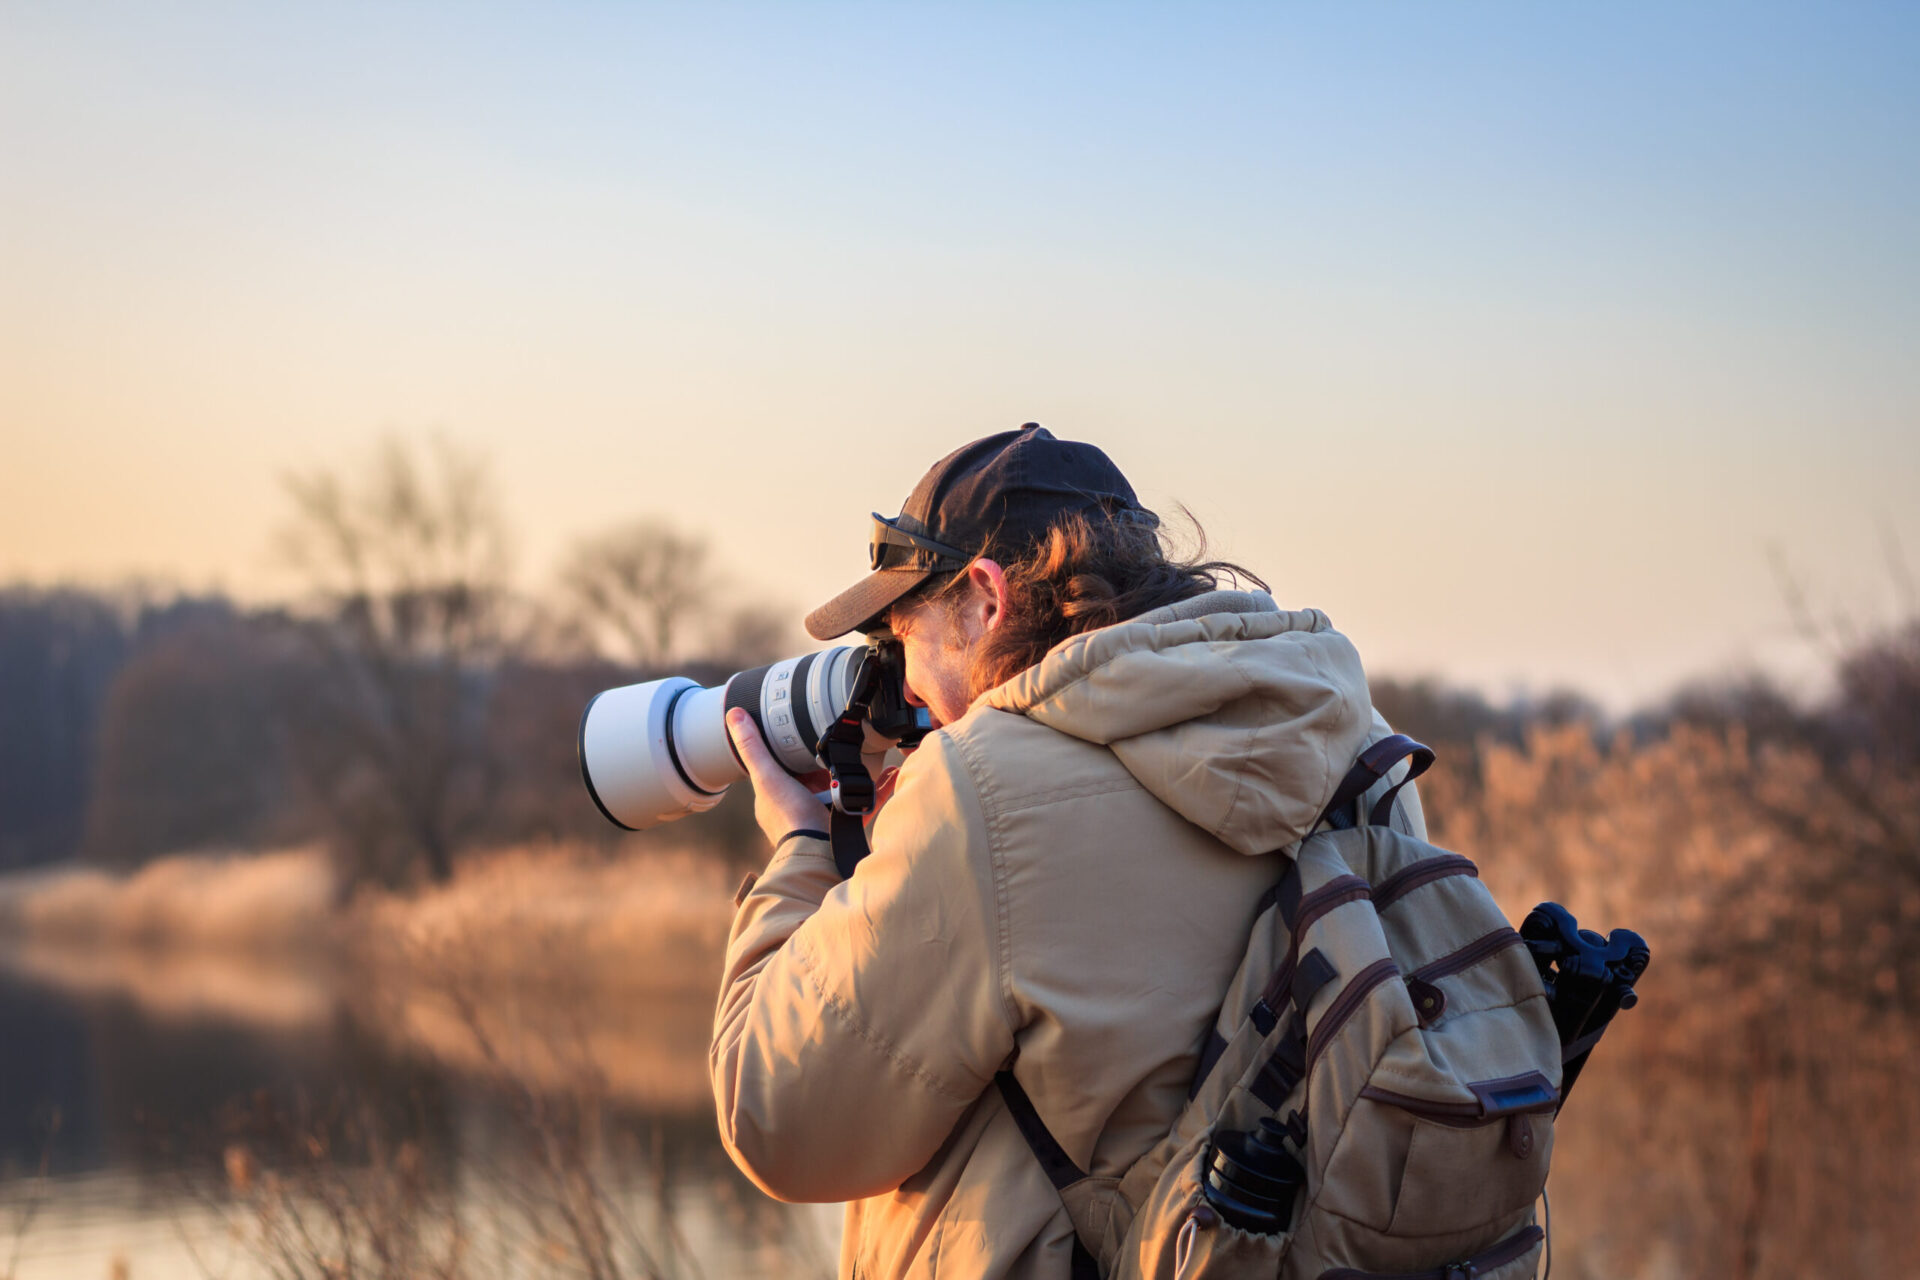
1516, 337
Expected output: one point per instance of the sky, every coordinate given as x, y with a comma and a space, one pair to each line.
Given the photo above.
1535, 344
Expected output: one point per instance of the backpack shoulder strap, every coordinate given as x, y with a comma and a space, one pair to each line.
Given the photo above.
1059, 1166
1373, 765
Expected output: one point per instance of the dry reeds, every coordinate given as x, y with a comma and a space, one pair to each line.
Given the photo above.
1754, 1116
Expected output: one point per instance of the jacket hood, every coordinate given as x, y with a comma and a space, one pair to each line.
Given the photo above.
1238, 715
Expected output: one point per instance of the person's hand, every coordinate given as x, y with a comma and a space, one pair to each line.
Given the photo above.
781, 802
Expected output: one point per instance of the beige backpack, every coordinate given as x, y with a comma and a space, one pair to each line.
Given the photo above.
1388, 1031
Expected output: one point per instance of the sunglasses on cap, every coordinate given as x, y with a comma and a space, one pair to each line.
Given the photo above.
892, 547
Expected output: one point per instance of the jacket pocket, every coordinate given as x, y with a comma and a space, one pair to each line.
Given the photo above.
1210, 1248
1515, 1258
1468, 1164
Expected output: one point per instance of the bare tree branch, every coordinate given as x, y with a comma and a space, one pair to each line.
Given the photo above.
648, 594
406, 561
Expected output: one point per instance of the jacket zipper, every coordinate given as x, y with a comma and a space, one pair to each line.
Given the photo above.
1468, 956
1499, 1256
1344, 1005
1407, 879
1337, 892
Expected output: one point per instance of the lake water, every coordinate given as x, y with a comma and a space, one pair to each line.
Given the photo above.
241, 1128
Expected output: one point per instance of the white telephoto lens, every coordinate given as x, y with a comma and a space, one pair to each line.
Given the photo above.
627, 755
657, 751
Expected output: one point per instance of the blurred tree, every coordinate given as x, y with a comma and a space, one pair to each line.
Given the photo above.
1459, 724
59, 653
648, 595
191, 755
641, 585
1812, 935
1839, 782
753, 633
407, 562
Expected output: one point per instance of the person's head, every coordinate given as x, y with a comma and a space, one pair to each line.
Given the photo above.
1004, 549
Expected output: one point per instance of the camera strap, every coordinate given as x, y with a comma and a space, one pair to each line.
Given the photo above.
848, 835
852, 789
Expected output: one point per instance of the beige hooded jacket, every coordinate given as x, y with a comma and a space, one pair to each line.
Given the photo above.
1063, 880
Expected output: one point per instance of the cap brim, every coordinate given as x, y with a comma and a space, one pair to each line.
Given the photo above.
862, 603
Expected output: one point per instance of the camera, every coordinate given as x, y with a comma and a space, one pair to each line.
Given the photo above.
657, 751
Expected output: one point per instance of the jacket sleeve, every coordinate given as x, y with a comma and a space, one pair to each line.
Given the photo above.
859, 1021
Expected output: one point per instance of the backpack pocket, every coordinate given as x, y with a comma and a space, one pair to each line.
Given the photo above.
1210, 1248
1466, 1164
1515, 1258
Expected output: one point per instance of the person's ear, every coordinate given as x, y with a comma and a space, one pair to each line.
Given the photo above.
989, 582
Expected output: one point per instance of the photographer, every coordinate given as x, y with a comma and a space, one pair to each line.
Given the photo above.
1062, 882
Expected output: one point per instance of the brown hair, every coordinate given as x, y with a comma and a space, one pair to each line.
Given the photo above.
1090, 570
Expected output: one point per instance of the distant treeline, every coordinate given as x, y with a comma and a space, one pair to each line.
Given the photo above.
134, 728
412, 704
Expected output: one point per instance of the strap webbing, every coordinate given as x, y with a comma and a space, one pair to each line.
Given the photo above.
1584, 1045
1287, 893
853, 790
1061, 1171
848, 835
1216, 1045
1372, 766
1059, 1167
1312, 973
1286, 1065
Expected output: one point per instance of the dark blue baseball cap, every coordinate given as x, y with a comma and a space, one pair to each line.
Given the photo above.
1003, 493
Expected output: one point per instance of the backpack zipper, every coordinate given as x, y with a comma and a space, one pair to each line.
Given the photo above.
1464, 1115
1498, 1256
1426, 871
1349, 999
1468, 956
1337, 892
